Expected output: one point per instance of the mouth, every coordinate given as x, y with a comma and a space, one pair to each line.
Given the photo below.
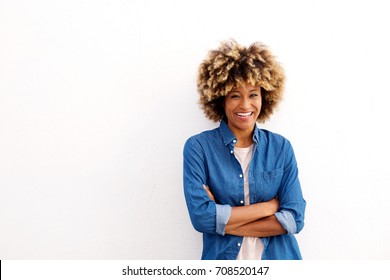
244, 115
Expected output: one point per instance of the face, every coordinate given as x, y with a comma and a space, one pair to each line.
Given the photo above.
242, 108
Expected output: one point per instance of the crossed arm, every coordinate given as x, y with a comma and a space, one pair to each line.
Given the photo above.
253, 220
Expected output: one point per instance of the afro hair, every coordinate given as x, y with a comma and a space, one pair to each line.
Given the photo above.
233, 65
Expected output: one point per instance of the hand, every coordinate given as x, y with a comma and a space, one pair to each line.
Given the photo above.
207, 189
273, 205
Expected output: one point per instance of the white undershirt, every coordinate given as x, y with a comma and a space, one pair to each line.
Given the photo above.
251, 247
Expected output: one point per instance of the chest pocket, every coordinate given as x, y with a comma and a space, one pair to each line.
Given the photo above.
270, 183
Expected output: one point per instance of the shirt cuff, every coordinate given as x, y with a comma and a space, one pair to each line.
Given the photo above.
287, 221
222, 217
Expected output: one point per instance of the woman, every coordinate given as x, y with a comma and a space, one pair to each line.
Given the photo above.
241, 182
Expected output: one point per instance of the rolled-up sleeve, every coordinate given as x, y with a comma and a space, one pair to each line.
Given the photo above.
287, 221
206, 216
223, 216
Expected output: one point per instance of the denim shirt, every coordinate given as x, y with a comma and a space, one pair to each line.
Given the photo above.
209, 160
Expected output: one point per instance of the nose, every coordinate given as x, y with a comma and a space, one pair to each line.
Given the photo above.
245, 103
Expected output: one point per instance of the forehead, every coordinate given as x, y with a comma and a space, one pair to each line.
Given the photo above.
246, 87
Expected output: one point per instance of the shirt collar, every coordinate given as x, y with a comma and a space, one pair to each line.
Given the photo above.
228, 136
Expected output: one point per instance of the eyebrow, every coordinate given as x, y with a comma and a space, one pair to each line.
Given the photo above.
252, 89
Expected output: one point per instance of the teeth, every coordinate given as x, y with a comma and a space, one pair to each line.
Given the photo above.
244, 114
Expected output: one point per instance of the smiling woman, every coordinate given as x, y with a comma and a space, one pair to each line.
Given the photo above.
241, 182
231, 66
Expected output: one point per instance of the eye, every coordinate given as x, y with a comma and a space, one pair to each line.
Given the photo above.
234, 96
254, 94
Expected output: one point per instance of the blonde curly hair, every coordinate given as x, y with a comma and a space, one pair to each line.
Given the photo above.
233, 65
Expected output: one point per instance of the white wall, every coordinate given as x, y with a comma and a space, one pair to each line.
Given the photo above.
98, 97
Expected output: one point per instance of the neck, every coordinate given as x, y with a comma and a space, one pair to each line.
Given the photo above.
244, 137
243, 143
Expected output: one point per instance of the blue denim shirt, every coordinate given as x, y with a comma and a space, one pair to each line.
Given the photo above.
209, 160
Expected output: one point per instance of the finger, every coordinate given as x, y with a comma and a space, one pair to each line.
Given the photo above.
207, 189
208, 192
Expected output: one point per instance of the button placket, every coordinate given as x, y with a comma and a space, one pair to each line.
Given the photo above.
232, 146
240, 175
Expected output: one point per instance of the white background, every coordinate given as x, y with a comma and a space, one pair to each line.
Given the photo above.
97, 98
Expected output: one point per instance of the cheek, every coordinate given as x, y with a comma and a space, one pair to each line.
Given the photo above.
259, 104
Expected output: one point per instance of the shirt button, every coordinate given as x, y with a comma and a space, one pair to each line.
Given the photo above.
241, 201
231, 151
240, 175
234, 141
239, 244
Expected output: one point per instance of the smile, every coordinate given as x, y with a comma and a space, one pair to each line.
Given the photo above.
244, 114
